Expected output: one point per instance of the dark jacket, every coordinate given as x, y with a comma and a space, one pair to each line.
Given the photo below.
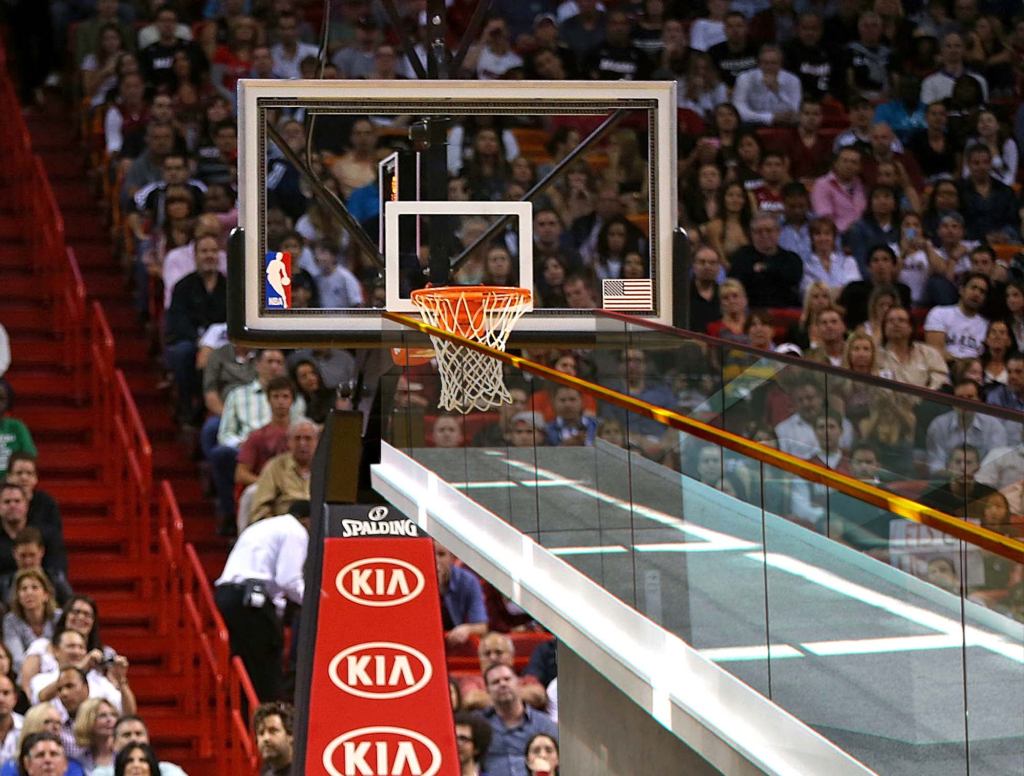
770, 280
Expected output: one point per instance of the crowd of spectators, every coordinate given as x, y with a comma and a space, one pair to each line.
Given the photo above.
847, 171
65, 694
66, 702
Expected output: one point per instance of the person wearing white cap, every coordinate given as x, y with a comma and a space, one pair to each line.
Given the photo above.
528, 429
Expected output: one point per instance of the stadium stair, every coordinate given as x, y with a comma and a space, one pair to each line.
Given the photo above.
63, 430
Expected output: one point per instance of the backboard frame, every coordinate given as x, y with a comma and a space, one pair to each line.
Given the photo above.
248, 320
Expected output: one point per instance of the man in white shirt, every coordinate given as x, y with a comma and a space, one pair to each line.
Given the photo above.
939, 85
496, 57
958, 330
768, 94
958, 427
10, 721
796, 433
69, 649
262, 573
289, 52
246, 409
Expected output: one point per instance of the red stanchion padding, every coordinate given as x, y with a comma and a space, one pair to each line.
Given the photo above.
379, 701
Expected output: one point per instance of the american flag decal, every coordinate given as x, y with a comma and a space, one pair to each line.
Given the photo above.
634, 294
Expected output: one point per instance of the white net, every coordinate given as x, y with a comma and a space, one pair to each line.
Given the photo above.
471, 380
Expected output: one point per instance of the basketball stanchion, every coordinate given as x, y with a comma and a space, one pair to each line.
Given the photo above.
471, 380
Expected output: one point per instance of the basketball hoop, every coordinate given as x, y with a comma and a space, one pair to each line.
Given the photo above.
471, 380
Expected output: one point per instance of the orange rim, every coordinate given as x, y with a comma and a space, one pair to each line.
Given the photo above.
472, 298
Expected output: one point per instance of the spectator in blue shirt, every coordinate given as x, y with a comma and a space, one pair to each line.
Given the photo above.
570, 426
905, 112
462, 600
512, 722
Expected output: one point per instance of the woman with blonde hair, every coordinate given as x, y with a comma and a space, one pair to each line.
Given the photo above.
33, 613
701, 90
733, 299
890, 427
94, 730
803, 332
860, 355
41, 718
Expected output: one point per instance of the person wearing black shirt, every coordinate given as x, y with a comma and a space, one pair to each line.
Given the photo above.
157, 60
868, 59
13, 519
43, 512
883, 269
931, 146
617, 59
989, 206
809, 60
736, 54
198, 300
770, 274
705, 306
960, 494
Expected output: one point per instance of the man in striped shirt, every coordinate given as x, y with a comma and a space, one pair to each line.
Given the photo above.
246, 408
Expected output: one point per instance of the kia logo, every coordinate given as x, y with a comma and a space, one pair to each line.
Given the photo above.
380, 669
382, 751
378, 513
380, 582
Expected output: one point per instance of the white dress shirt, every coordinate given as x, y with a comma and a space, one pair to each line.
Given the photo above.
758, 104
272, 551
946, 433
9, 746
796, 437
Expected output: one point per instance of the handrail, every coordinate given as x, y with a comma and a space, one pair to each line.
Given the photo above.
206, 593
245, 683
925, 394
862, 491
140, 438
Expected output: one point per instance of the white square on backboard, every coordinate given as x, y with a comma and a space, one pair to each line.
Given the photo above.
523, 211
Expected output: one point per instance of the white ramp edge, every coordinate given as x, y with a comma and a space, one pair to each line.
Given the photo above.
726, 722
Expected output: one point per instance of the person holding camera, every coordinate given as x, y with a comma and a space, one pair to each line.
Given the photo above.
107, 676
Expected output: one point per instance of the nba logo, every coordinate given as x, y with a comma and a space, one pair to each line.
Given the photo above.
279, 280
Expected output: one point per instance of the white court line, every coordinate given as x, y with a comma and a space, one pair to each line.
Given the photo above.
877, 646
607, 549
720, 541
484, 485
756, 652
948, 629
914, 614
715, 545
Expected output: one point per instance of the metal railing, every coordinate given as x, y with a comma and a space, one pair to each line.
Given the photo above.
183, 597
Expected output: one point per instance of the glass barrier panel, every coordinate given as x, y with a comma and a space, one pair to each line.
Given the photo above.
869, 641
899, 643
731, 386
994, 637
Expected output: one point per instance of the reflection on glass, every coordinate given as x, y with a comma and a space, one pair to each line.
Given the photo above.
591, 220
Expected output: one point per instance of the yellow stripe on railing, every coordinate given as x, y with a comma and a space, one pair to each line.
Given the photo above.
862, 491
